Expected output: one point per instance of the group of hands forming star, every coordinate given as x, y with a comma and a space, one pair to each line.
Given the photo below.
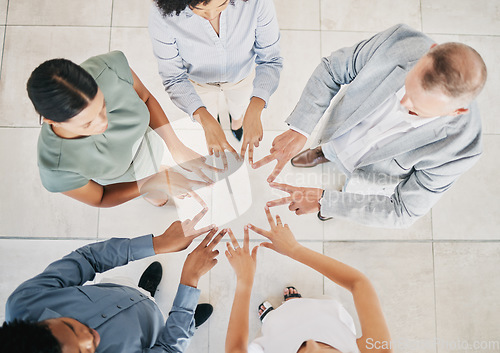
301, 200
203, 258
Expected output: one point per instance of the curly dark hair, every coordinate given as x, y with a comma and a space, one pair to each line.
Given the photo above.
22, 336
168, 7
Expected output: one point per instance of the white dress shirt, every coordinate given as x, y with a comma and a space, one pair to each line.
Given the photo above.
188, 48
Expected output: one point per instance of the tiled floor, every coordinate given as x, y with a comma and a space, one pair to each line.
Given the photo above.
437, 280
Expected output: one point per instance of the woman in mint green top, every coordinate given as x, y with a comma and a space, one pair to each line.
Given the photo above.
97, 143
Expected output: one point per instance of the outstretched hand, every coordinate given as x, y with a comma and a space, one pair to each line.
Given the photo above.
191, 161
285, 147
180, 234
281, 237
301, 200
172, 183
202, 259
242, 261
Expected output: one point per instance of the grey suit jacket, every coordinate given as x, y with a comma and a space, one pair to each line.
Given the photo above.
425, 162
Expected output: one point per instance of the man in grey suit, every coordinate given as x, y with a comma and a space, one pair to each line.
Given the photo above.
404, 131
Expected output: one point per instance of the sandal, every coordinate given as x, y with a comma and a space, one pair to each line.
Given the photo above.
291, 295
268, 307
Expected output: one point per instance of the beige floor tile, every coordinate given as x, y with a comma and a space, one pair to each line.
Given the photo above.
341, 15
3, 11
461, 17
470, 209
487, 99
130, 13
60, 13
298, 14
467, 288
298, 67
23, 259
26, 48
27, 209
402, 274
274, 272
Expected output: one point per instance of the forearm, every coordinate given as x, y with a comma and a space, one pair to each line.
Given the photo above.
340, 273
238, 326
255, 108
180, 325
116, 194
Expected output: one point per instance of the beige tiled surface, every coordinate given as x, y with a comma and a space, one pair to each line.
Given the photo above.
366, 15
402, 274
26, 48
3, 11
470, 210
401, 264
131, 13
461, 17
27, 209
60, 12
467, 287
297, 14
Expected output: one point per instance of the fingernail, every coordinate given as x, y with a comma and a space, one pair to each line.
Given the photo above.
250, 226
266, 208
245, 227
268, 204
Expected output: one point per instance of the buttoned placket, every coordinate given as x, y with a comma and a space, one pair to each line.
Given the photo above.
219, 42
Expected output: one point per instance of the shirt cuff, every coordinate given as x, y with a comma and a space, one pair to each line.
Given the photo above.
141, 247
187, 297
299, 131
262, 94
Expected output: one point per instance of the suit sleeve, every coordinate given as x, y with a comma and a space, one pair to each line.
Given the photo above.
176, 335
338, 69
413, 197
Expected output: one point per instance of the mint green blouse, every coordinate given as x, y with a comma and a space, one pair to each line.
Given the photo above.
68, 164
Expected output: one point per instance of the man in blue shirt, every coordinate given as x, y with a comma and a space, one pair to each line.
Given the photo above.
56, 312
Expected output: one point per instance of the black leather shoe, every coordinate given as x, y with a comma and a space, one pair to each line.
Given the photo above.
238, 134
321, 218
202, 313
151, 278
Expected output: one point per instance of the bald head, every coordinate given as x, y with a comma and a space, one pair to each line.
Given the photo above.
457, 70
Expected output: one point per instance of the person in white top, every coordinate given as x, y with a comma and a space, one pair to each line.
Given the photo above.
319, 325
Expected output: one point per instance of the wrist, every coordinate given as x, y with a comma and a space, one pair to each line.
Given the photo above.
189, 280
256, 106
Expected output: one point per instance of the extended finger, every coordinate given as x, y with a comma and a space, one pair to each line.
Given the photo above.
293, 206
230, 249
199, 199
254, 252
260, 231
197, 233
283, 187
199, 216
244, 146
224, 160
233, 239
276, 171
250, 154
264, 161
279, 202
269, 217
246, 238
278, 221
207, 239
217, 239
203, 176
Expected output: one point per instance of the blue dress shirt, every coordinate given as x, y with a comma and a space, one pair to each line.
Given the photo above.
188, 48
126, 319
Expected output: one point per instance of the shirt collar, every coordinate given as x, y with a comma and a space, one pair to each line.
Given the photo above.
49, 314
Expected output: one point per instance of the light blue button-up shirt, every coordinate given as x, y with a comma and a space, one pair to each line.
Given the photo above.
127, 320
188, 48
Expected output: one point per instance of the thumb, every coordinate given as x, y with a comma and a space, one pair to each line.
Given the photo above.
268, 245
254, 253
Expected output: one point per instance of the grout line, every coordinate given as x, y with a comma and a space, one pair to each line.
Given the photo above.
111, 24
98, 220
435, 301
4, 37
421, 18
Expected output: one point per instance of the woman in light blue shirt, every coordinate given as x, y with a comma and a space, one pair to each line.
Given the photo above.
219, 45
